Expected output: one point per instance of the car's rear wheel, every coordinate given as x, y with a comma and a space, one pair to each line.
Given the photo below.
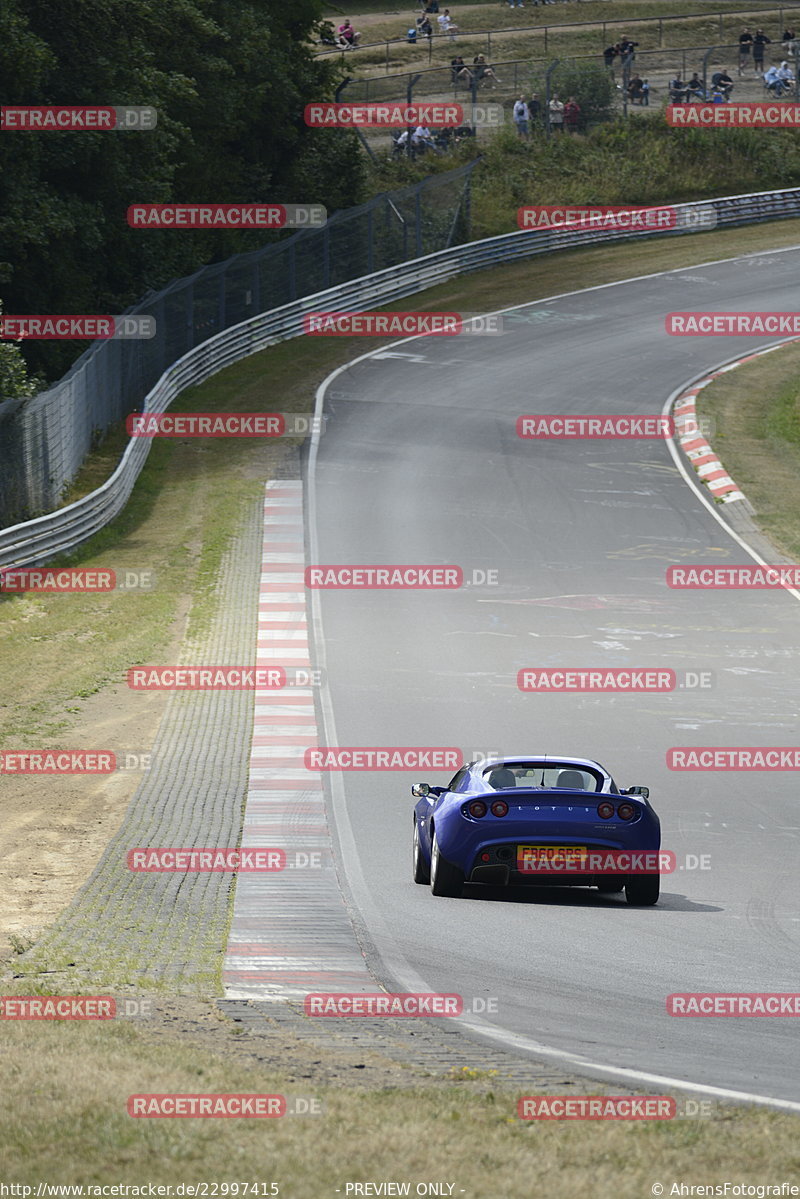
446, 879
422, 872
611, 886
643, 890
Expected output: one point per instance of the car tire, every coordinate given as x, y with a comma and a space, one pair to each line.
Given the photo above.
611, 886
643, 890
422, 872
446, 879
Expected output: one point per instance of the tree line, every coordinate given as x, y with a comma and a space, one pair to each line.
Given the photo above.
229, 80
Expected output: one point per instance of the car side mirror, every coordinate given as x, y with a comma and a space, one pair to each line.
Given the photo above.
644, 792
420, 790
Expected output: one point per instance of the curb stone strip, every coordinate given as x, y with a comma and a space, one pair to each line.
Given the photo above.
290, 933
697, 449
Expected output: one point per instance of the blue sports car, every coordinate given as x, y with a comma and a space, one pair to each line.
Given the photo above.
551, 821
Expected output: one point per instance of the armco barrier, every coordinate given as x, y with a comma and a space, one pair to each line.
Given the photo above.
37, 541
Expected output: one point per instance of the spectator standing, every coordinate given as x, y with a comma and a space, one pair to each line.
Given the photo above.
572, 115
556, 108
645, 93
627, 51
759, 42
535, 110
521, 118
745, 47
609, 54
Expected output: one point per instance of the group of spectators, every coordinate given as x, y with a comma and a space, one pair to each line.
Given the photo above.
480, 71
529, 112
624, 50
424, 27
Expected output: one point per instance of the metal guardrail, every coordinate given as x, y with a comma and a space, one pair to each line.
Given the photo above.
35, 542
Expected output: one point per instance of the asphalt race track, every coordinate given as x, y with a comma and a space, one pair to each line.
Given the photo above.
420, 463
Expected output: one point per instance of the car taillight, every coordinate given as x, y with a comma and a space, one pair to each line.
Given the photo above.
499, 808
605, 810
477, 808
626, 811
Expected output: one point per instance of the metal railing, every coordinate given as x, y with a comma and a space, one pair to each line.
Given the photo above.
516, 75
545, 33
35, 542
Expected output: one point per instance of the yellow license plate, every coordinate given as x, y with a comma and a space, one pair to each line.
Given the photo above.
537, 857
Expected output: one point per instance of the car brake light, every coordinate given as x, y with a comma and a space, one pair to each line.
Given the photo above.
626, 811
499, 808
477, 808
605, 810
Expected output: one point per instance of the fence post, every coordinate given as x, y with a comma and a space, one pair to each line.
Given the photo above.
548, 73
660, 34
292, 271
706, 57
387, 58
545, 38
190, 316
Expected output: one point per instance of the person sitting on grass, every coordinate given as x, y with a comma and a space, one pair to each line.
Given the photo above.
424, 27
635, 89
678, 90
722, 82
348, 37
460, 71
694, 88
447, 25
482, 70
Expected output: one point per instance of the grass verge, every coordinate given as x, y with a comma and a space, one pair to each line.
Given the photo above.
756, 410
64, 1088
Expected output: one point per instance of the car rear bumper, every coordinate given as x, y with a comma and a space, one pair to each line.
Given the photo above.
498, 875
